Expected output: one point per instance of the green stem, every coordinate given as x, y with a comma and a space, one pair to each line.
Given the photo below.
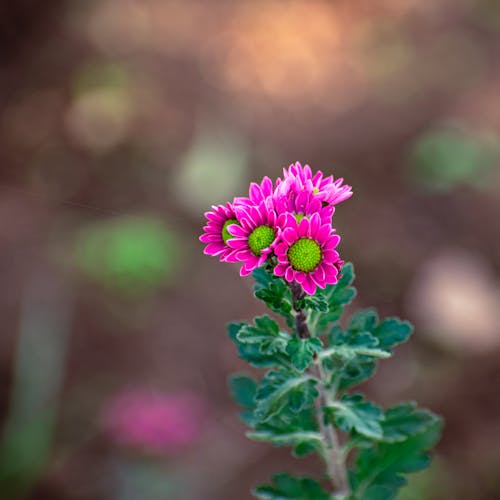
334, 455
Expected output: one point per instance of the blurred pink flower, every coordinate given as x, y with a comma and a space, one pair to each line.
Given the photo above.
162, 423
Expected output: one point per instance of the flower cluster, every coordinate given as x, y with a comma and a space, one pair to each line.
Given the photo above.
287, 224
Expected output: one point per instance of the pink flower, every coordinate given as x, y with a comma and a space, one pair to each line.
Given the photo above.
216, 235
299, 178
255, 236
306, 252
154, 421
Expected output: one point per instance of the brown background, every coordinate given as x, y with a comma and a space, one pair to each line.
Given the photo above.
119, 110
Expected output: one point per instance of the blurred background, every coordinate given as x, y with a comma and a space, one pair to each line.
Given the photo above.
122, 121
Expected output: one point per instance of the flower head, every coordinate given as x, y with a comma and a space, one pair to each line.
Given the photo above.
306, 252
289, 220
216, 235
254, 238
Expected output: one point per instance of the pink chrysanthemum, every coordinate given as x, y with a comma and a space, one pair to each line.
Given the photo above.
302, 204
255, 236
306, 253
300, 178
257, 193
216, 234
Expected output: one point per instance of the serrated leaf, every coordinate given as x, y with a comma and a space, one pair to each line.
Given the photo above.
405, 419
353, 413
337, 297
252, 353
281, 389
274, 292
363, 321
356, 371
380, 468
313, 302
302, 351
286, 487
392, 331
265, 334
367, 340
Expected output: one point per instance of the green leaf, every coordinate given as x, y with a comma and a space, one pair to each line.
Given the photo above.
302, 351
252, 353
352, 356
303, 449
265, 334
403, 420
286, 487
353, 413
359, 344
312, 439
363, 321
274, 292
337, 297
392, 331
243, 389
314, 303
356, 371
283, 388
380, 468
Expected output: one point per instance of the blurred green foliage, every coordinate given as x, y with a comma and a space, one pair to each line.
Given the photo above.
129, 255
445, 158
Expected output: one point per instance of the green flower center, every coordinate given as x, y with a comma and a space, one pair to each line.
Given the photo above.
304, 255
299, 217
226, 235
261, 237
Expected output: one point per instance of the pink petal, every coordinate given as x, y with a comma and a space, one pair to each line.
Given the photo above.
308, 285
303, 227
280, 269
323, 233
213, 217
289, 235
236, 230
319, 274
237, 243
281, 248
300, 276
213, 249
314, 225
208, 238
332, 242
255, 192
289, 274
282, 258
244, 271
267, 186
231, 257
